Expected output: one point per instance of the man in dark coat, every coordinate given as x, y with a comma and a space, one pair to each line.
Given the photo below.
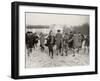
29, 41
71, 42
65, 43
50, 43
58, 42
35, 40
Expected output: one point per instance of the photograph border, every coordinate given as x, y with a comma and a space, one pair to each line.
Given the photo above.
15, 39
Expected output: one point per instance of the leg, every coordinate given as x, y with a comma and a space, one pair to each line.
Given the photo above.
43, 48
88, 49
57, 50
52, 53
49, 51
34, 46
31, 50
60, 48
78, 50
62, 52
73, 52
66, 49
28, 51
66, 53
84, 49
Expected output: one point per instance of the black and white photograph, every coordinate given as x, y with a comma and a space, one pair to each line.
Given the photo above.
55, 40
51, 40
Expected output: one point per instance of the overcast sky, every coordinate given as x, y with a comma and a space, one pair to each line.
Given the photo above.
48, 19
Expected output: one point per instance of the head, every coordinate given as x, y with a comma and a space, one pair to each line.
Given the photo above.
29, 33
71, 32
51, 33
58, 31
79, 33
74, 32
41, 34
66, 33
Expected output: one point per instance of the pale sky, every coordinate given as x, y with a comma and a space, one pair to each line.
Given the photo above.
48, 19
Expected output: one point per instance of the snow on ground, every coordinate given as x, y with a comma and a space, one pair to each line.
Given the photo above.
38, 59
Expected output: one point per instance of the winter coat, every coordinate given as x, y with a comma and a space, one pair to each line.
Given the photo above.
42, 40
58, 39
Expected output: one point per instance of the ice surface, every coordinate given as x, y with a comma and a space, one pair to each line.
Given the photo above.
38, 59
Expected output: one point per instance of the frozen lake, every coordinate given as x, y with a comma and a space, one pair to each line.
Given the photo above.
38, 59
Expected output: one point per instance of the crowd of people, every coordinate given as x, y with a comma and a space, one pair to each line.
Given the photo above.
72, 41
